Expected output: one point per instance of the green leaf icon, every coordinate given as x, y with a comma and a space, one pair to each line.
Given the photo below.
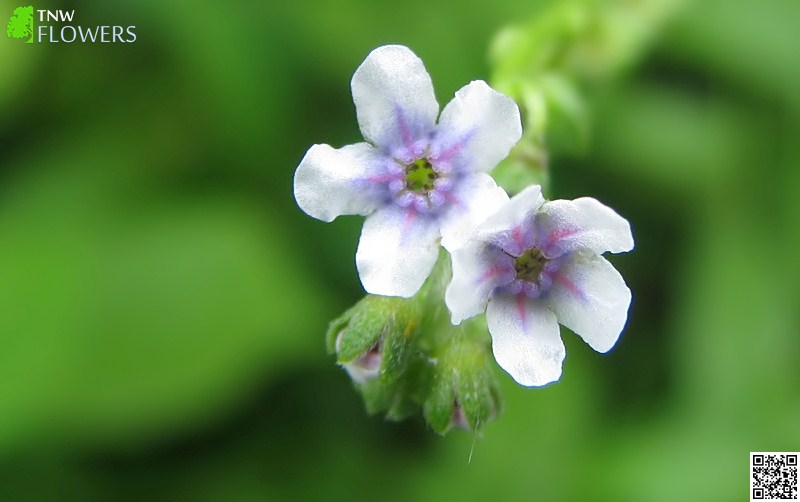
21, 24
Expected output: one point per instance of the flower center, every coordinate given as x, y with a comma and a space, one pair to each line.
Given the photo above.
420, 176
529, 265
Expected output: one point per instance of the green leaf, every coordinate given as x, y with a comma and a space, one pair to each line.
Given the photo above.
128, 312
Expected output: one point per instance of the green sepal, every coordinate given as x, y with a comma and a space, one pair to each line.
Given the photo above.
396, 401
477, 394
475, 385
400, 409
376, 396
440, 404
404, 369
379, 399
335, 327
362, 325
397, 350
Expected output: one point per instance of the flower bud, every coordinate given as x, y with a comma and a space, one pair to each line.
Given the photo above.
365, 367
372, 339
463, 391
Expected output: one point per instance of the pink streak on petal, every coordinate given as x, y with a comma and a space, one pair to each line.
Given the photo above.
516, 235
454, 200
521, 312
492, 273
408, 224
408, 141
411, 215
571, 286
450, 152
558, 235
382, 178
453, 150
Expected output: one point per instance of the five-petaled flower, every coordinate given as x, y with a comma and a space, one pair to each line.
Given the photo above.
421, 182
536, 264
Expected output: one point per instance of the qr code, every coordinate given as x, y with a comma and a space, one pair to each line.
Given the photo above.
773, 476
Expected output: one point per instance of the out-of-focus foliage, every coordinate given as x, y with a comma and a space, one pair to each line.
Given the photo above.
551, 64
163, 302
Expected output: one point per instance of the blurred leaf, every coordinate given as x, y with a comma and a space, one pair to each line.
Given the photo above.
128, 312
20, 63
746, 42
567, 115
673, 140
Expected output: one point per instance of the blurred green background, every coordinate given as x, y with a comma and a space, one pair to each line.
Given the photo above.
163, 301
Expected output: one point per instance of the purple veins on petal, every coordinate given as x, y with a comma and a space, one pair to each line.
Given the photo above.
402, 123
495, 272
408, 224
447, 154
518, 238
455, 201
515, 242
383, 178
412, 149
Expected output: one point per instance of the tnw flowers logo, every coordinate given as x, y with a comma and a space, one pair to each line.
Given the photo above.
34, 26
20, 25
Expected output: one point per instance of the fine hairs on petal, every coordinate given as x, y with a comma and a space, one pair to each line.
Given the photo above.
328, 183
396, 252
390, 81
525, 340
490, 119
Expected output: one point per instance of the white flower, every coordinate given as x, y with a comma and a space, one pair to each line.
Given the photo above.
418, 181
536, 264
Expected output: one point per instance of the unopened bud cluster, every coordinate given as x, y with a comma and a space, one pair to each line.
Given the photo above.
404, 360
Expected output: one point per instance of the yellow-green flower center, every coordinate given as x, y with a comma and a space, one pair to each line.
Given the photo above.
420, 176
529, 265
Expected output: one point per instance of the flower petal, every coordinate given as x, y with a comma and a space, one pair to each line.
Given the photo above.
330, 182
397, 251
525, 339
512, 226
478, 269
585, 223
478, 128
475, 198
394, 98
590, 298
